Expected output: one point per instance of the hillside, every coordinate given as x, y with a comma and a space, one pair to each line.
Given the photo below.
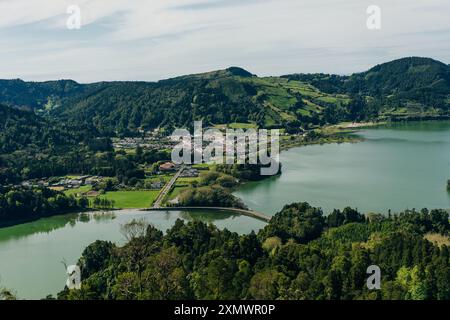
22, 130
32, 146
407, 87
40, 95
219, 97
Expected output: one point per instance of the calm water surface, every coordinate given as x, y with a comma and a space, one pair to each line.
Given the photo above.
32, 254
396, 167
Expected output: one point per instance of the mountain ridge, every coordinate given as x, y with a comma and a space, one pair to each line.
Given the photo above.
411, 86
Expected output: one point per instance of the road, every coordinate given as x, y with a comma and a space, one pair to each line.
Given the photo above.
249, 213
166, 189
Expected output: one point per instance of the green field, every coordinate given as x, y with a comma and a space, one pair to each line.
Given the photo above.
187, 180
174, 193
132, 199
154, 178
240, 125
236, 125
77, 190
203, 166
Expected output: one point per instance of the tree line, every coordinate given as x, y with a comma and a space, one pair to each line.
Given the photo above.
300, 254
18, 204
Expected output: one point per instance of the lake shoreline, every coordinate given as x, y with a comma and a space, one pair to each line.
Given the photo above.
348, 131
33, 219
325, 169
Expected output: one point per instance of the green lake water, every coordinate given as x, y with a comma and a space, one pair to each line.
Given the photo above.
32, 254
396, 167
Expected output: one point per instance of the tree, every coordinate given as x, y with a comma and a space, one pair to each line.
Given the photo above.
267, 285
164, 277
298, 221
95, 257
6, 294
134, 229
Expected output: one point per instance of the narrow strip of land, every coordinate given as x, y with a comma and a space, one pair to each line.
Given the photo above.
166, 189
249, 213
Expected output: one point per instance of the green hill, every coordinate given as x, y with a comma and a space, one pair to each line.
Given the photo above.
409, 86
406, 87
32, 146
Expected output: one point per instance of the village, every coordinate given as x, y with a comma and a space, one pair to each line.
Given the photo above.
92, 186
148, 140
142, 191
73, 182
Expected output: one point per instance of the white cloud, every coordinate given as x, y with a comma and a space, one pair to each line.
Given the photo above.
153, 39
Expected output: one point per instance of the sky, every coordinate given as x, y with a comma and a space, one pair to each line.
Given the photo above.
157, 39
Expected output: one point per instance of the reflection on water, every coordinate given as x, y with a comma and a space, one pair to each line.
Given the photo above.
207, 216
31, 253
48, 225
398, 167
45, 225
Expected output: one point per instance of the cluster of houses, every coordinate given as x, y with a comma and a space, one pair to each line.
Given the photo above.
170, 167
148, 142
156, 185
65, 183
189, 173
88, 180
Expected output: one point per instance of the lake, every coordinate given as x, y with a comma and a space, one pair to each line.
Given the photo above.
396, 167
32, 254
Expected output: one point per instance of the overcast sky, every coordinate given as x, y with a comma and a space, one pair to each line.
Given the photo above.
157, 39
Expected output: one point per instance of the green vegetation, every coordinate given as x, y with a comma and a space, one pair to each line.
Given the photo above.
244, 172
54, 128
213, 188
236, 126
77, 191
299, 255
32, 147
213, 196
175, 192
19, 204
409, 87
131, 199
76, 122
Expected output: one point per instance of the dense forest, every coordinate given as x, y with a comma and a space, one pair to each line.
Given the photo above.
415, 84
54, 128
59, 127
33, 146
411, 87
20, 204
300, 254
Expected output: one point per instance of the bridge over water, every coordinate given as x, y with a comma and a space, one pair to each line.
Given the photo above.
249, 213
166, 189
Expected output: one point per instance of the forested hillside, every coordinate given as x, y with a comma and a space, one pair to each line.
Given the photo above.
40, 95
401, 87
19, 204
300, 254
32, 146
57, 127
409, 87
